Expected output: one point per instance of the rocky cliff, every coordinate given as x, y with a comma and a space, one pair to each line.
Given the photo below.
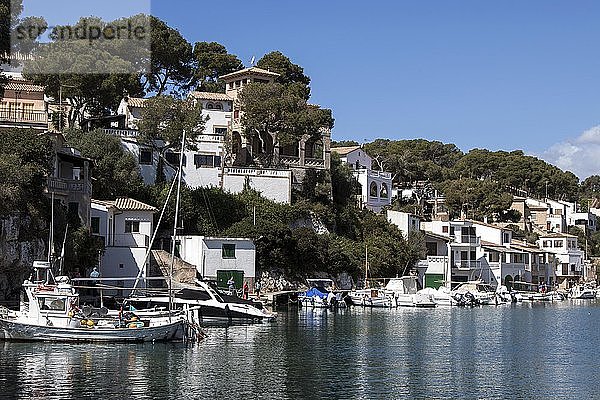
19, 247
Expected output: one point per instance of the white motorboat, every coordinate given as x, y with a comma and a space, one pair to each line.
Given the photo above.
52, 313
321, 295
371, 298
473, 293
203, 304
404, 292
582, 292
441, 296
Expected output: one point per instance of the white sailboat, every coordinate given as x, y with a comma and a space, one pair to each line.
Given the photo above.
370, 297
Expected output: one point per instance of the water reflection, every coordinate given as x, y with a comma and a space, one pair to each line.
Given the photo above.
512, 351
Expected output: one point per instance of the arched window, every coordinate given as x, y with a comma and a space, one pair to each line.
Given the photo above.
218, 106
209, 106
373, 189
384, 191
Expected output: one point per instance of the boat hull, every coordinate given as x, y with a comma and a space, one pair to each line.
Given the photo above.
17, 331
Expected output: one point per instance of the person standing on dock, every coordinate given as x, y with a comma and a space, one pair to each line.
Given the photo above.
245, 290
257, 287
231, 285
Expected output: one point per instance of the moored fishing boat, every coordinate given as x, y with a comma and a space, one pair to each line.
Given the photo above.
52, 313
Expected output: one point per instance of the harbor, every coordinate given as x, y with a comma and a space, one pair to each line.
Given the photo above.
514, 351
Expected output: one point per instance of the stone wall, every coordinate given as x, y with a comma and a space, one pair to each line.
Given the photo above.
17, 255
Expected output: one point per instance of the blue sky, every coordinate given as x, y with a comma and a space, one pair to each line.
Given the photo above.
500, 75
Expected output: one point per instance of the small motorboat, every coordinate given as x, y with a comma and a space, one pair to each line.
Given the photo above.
372, 298
473, 293
321, 295
404, 292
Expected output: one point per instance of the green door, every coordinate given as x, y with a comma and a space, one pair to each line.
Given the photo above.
224, 275
434, 280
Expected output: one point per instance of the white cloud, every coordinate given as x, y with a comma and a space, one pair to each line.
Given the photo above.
580, 155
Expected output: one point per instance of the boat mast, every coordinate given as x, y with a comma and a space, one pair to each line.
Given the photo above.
179, 175
366, 266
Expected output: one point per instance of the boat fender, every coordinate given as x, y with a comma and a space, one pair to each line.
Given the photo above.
90, 323
137, 324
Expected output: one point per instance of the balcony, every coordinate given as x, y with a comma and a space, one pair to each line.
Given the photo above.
467, 265
24, 118
257, 172
292, 161
466, 240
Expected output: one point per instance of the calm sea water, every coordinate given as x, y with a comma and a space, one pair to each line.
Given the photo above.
507, 352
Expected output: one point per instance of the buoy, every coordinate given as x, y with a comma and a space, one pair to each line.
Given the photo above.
90, 323
83, 322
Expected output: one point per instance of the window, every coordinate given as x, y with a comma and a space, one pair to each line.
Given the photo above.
230, 85
431, 248
445, 229
384, 191
228, 250
373, 189
218, 106
506, 237
238, 84
95, 225
132, 226
172, 157
236, 114
493, 256
209, 106
547, 243
121, 266
558, 243
219, 130
206, 161
145, 157
519, 258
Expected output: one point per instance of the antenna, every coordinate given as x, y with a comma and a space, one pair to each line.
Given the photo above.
252, 60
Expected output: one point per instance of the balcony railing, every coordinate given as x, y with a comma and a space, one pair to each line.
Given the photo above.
314, 162
257, 172
59, 185
126, 240
467, 239
465, 264
20, 116
130, 133
290, 160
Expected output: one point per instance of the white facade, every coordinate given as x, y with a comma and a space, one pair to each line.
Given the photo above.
205, 166
376, 190
477, 250
211, 254
354, 156
569, 259
406, 222
126, 227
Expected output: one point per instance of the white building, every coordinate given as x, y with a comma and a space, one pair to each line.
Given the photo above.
477, 250
376, 186
211, 255
406, 222
126, 226
568, 258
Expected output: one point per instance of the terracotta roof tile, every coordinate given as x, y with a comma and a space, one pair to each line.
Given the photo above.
250, 71
344, 150
136, 102
210, 96
126, 204
23, 85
